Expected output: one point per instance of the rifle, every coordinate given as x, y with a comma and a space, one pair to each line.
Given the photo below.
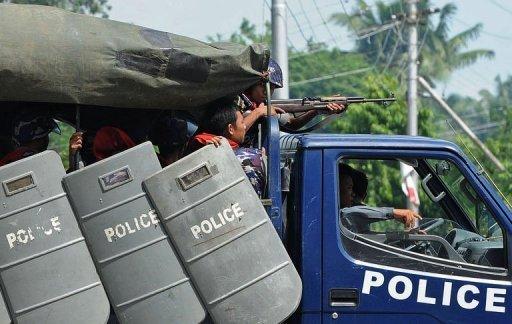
320, 103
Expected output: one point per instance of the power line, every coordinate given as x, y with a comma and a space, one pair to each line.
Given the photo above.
501, 7
483, 31
397, 42
349, 17
297, 22
325, 22
307, 19
376, 29
263, 29
480, 75
330, 76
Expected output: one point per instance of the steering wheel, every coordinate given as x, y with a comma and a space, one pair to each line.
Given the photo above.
425, 246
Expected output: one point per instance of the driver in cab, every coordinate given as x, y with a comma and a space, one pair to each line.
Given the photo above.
354, 214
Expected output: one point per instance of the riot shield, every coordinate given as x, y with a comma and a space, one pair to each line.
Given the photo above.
46, 271
142, 275
225, 238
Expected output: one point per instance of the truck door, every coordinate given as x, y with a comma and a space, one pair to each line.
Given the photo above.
452, 267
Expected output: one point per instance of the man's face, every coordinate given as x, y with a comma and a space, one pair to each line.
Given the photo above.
346, 190
39, 145
237, 130
257, 92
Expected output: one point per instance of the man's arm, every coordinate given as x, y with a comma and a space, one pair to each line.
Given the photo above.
260, 111
372, 214
369, 213
303, 119
251, 117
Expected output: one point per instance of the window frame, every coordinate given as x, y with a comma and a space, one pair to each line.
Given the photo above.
437, 265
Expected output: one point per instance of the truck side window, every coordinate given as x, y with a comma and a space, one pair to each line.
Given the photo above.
455, 226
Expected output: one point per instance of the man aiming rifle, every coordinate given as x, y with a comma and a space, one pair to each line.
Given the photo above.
306, 108
322, 103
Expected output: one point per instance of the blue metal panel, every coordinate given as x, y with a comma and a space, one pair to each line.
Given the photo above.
377, 141
274, 170
311, 229
369, 318
341, 271
309, 318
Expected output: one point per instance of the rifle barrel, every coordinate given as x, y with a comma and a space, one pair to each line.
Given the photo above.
379, 99
320, 103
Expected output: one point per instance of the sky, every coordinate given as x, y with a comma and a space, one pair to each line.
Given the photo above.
310, 18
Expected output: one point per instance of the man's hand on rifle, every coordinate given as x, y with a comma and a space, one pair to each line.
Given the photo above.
336, 108
261, 110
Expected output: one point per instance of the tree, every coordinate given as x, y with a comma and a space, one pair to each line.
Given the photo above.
247, 34
91, 7
381, 38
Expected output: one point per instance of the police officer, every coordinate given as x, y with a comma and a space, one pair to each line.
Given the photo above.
30, 135
255, 98
355, 214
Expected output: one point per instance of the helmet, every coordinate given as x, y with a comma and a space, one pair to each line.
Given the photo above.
172, 131
27, 128
276, 75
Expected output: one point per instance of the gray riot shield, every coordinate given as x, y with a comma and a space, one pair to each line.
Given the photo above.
47, 273
225, 238
141, 272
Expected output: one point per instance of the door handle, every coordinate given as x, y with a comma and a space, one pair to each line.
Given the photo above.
343, 297
427, 190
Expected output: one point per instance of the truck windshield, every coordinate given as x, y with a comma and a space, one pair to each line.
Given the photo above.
462, 143
456, 224
466, 197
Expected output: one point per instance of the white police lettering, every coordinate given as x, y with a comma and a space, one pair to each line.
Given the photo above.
26, 235
468, 296
222, 218
127, 228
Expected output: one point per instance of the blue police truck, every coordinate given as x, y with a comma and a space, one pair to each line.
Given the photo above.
452, 269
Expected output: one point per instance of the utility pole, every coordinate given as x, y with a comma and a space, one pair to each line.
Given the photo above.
461, 124
412, 77
279, 45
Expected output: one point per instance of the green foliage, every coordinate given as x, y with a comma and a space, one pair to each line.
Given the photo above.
325, 62
246, 35
91, 7
492, 111
376, 119
60, 143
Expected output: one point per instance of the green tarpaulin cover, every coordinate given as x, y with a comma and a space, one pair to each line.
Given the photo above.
51, 55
